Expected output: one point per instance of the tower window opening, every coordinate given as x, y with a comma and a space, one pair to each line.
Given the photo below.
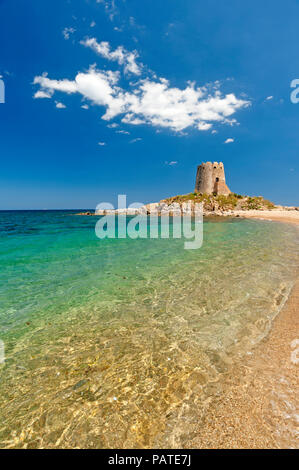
217, 179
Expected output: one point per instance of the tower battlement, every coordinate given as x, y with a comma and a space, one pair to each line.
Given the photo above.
210, 178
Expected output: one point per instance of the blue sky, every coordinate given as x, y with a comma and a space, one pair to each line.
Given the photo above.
129, 96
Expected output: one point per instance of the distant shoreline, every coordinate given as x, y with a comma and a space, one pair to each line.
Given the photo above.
276, 215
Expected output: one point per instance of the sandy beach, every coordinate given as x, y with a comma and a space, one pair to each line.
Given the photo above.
287, 216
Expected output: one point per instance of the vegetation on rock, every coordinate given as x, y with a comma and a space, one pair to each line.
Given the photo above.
224, 203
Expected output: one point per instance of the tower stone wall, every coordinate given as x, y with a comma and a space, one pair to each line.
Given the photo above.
210, 178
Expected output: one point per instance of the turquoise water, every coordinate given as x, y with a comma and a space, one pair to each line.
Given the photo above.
121, 342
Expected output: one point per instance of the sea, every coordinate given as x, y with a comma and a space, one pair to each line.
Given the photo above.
121, 342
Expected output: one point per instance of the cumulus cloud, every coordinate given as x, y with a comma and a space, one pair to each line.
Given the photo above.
204, 126
172, 163
229, 141
102, 144
135, 140
60, 105
148, 101
43, 94
49, 86
269, 98
119, 55
152, 102
96, 86
159, 104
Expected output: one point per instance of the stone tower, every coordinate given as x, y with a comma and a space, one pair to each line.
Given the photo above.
210, 178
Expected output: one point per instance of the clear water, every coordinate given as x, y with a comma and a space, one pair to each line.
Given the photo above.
123, 343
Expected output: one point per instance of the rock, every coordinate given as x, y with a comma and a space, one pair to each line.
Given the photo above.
86, 213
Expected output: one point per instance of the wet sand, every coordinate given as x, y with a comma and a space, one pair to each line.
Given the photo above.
260, 407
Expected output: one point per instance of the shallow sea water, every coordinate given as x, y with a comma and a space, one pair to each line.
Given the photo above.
122, 343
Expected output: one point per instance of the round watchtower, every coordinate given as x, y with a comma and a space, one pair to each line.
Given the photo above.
204, 178
210, 178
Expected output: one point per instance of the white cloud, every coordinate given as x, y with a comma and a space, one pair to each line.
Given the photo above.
92, 24
85, 106
67, 32
122, 132
50, 86
130, 119
159, 104
119, 55
43, 94
135, 140
113, 125
204, 126
229, 141
269, 98
172, 163
102, 144
150, 101
60, 105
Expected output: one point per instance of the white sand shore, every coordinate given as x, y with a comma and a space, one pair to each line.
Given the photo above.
288, 216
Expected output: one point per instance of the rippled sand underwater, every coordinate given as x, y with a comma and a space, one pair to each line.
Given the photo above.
123, 343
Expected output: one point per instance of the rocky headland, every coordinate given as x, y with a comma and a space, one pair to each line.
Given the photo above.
232, 205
